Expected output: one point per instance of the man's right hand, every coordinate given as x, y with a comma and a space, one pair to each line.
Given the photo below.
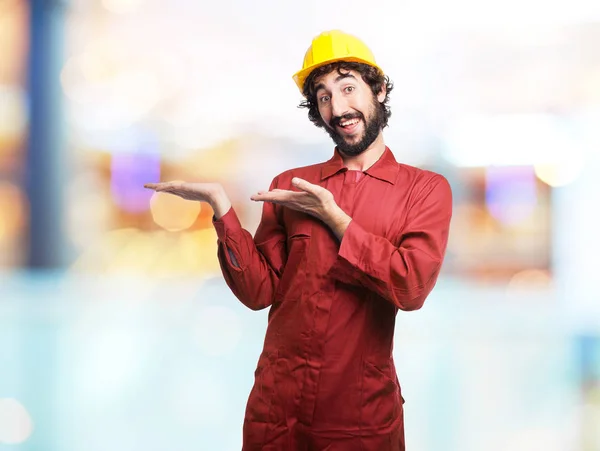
212, 193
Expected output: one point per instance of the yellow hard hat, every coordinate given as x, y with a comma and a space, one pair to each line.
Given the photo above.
331, 46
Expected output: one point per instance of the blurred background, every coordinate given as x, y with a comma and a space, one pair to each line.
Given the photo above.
117, 331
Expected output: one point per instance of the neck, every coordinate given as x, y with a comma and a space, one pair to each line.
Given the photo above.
368, 158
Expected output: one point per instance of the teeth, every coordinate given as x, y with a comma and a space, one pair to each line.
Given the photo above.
350, 122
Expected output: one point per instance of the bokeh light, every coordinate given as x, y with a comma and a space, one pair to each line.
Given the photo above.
508, 140
510, 193
83, 76
13, 114
16, 424
560, 174
12, 211
184, 253
159, 253
591, 411
129, 172
530, 279
14, 15
194, 251
172, 73
172, 212
136, 252
537, 438
111, 87
90, 209
122, 6
101, 254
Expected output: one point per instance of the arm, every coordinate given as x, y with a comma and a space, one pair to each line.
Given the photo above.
251, 267
403, 274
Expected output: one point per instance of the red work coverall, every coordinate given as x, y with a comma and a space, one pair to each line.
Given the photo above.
326, 379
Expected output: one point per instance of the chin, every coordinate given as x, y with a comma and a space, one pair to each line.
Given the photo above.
354, 139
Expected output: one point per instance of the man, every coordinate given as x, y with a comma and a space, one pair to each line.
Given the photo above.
341, 247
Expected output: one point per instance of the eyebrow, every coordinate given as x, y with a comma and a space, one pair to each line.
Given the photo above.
346, 75
338, 78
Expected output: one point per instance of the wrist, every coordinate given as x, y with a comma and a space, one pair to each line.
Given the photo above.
338, 221
337, 217
220, 205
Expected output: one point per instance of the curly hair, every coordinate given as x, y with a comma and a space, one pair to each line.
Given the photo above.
370, 75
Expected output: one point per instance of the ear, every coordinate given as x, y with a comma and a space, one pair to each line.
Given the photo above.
382, 93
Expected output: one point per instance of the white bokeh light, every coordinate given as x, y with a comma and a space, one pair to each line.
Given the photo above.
13, 114
557, 175
122, 6
537, 438
15, 423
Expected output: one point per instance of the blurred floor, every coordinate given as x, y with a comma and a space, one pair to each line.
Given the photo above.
132, 363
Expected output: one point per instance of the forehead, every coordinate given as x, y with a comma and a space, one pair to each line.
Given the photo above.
336, 77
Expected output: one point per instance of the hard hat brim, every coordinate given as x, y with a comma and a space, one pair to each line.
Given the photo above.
301, 76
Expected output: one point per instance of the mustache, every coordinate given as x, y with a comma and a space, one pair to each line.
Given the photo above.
335, 120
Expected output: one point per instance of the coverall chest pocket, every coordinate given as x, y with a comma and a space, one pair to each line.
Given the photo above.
293, 278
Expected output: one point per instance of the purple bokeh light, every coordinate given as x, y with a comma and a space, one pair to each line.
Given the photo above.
511, 193
129, 172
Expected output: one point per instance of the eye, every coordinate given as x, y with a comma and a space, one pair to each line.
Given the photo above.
324, 99
349, 89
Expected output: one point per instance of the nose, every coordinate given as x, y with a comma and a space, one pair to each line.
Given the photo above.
339, 105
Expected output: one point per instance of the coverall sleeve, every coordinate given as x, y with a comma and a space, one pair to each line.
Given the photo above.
404, 274
252, 266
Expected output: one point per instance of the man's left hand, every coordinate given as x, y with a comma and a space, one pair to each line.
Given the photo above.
311, 199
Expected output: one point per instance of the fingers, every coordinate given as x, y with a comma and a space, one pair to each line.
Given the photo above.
260, 196
174, 188
280, 197
305, 186
276, 194
266, 197
173, 191
162, 186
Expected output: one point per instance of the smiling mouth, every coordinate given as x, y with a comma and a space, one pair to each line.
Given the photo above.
348, 126
349, 122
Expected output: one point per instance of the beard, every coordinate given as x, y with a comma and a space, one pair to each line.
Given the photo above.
372, 128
